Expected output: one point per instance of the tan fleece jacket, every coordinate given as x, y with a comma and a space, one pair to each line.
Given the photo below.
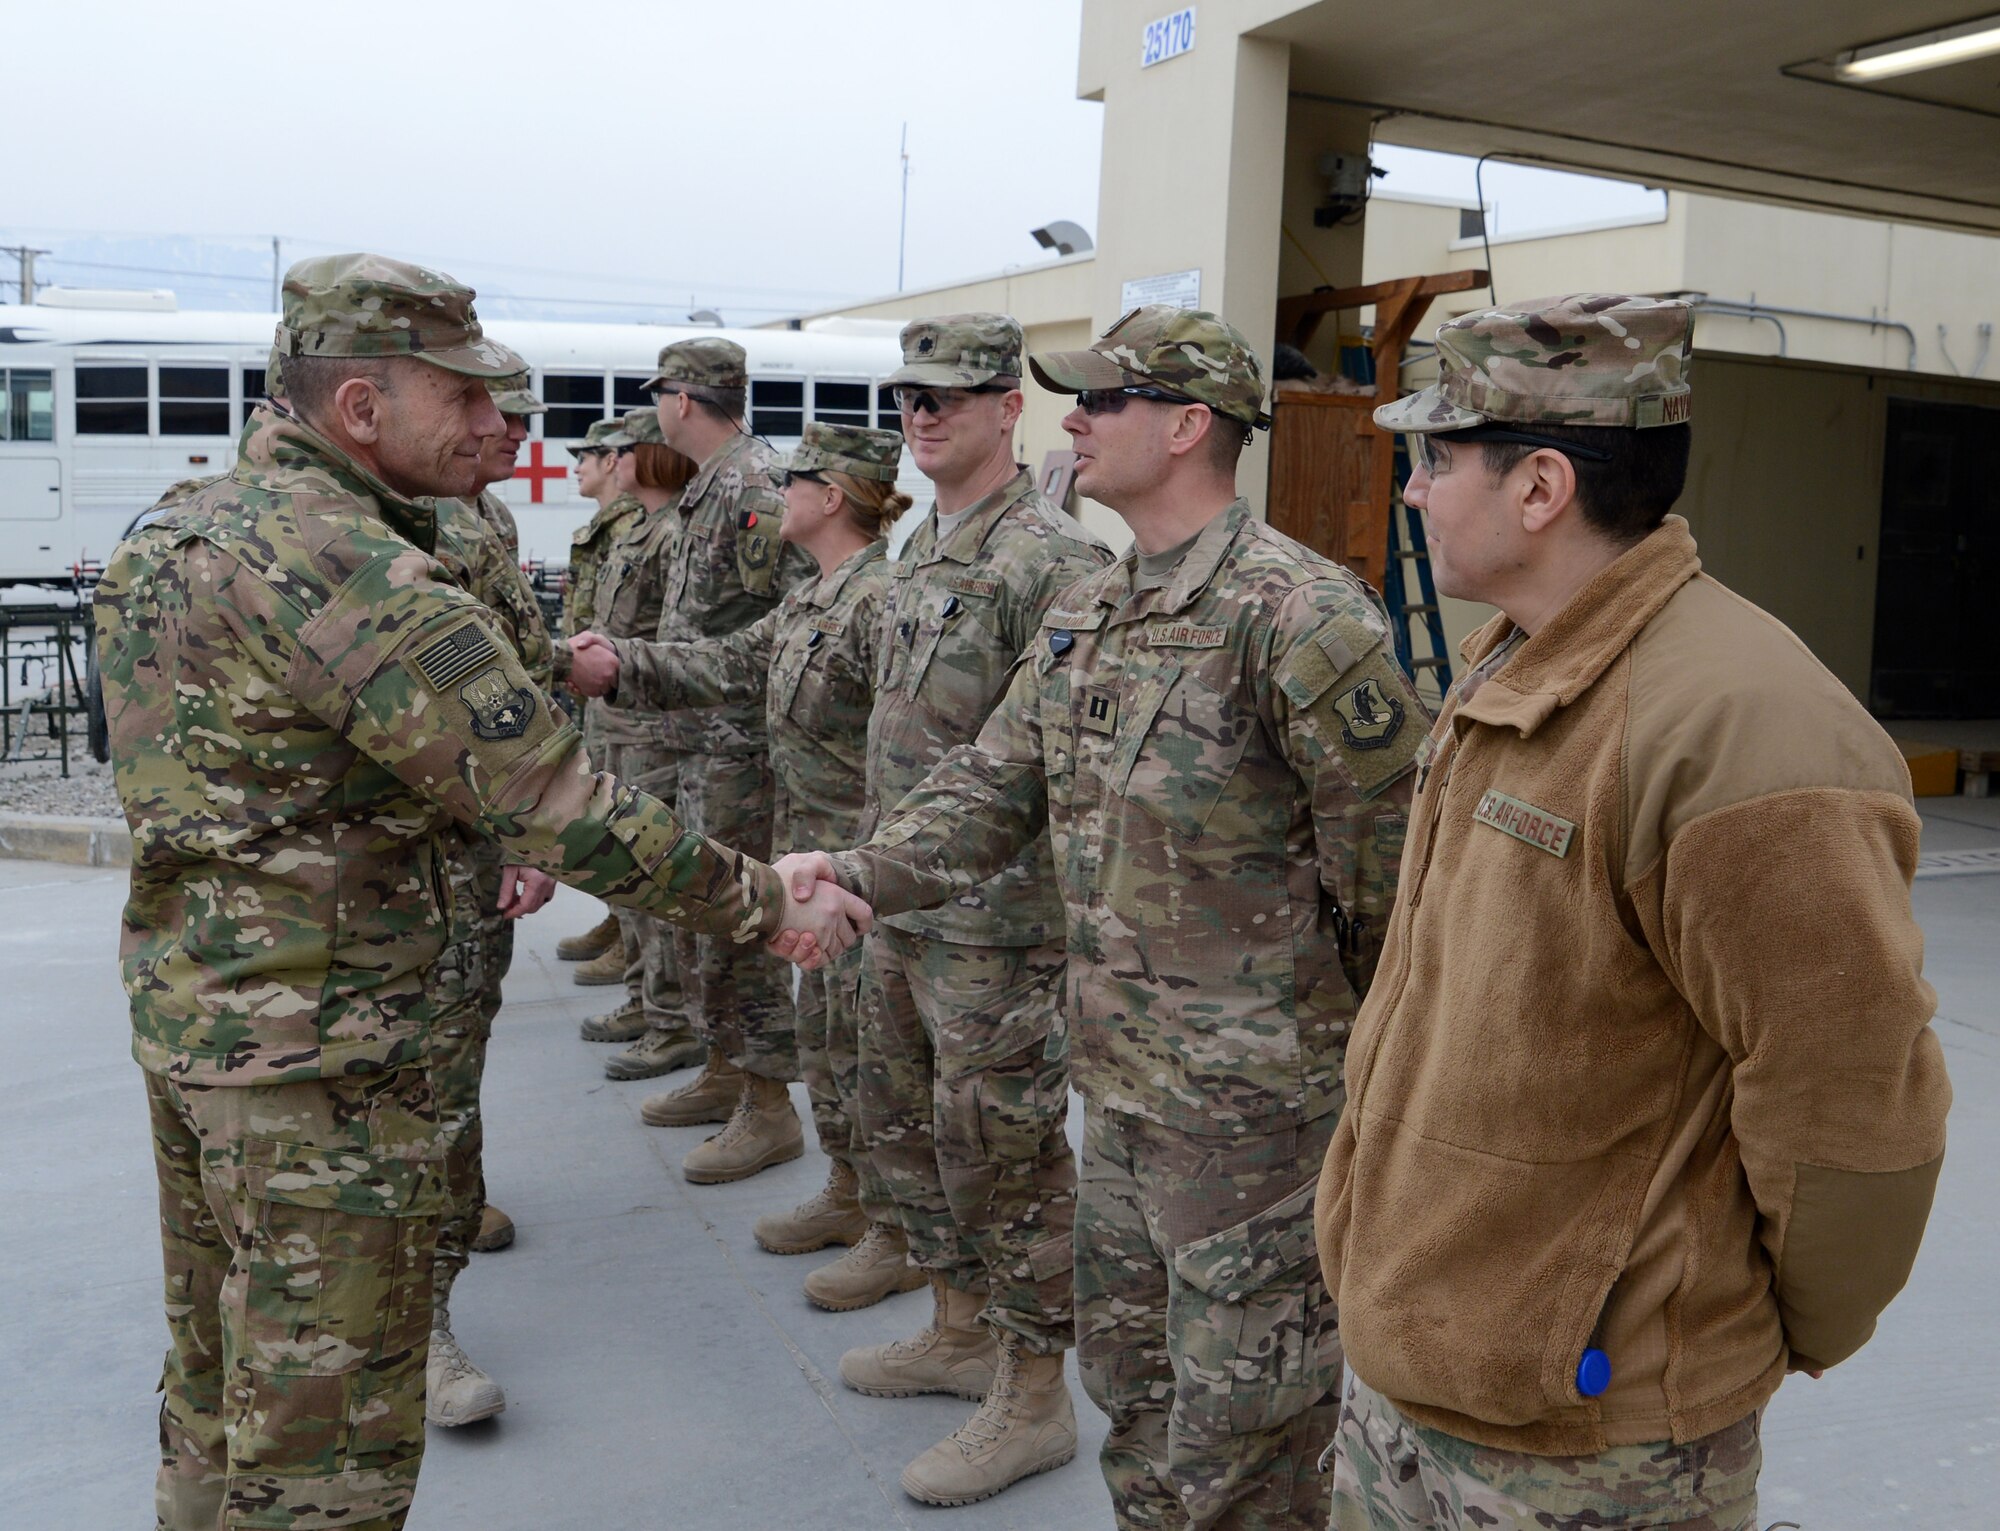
1647, 1063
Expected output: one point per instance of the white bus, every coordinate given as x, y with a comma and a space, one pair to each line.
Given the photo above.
106, 399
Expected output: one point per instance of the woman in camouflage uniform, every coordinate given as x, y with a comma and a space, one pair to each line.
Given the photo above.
813, 660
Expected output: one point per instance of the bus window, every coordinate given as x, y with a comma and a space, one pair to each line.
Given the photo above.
777, 407
886, 411
840, 403
253, 389
575, 401
27, 406
629, 393
110, 400
194, 401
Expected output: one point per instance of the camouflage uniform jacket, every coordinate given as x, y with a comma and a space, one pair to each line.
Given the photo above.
960, 615
1224, 767
812, 661
494, 512
724, 570
628, 600
471, 545
300, 709
589, 546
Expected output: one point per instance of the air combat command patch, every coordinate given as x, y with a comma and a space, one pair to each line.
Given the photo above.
500, 709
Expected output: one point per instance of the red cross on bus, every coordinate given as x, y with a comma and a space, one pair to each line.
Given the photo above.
535, 473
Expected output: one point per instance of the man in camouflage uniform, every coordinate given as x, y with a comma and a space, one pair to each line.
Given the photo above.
964, 1077
725, 568
811, 661
627, 601
1215, 735
590, 546
478, 543
300, 709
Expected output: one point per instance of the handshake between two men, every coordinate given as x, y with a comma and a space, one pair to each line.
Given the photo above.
823, 921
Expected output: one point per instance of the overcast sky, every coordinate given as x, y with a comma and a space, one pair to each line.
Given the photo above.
633, 155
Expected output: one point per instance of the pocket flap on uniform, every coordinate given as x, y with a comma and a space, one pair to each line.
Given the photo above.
366, 1185
1234, 1263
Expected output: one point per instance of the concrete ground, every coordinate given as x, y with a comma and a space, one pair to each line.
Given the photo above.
662, 1371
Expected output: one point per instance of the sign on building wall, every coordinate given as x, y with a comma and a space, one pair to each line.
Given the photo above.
1169, 37
1181, 289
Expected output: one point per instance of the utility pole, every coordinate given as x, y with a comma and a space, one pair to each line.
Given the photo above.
903, 218
277, 297
26, 257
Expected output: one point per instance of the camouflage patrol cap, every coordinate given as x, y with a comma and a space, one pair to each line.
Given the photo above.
959, 351
852, 449
594, 439
639, 428
709, 362
1185, 351
513, 396
1586, 359
369, 305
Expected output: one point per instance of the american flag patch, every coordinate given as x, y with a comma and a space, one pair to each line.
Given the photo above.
456, 654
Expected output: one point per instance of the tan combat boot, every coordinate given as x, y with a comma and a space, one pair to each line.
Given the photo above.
594, 942
606, 967
625, 1024
1027, 1425
954, 1353
660, 1051
496, 1230
455, 1391
833, 1216
708, 1097
877, 1267
763, 1130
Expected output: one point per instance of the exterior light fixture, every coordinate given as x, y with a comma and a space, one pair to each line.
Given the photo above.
1920, 51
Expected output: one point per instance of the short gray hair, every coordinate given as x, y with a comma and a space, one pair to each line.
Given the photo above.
312, 381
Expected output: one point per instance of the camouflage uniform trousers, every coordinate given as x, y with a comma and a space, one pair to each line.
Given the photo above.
1204, 1328
298, 1223
1392, 1474
964, 1105
829, 1006
738, 997
465, 987
652, 977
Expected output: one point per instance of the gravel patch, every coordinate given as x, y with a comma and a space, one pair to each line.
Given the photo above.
37, 786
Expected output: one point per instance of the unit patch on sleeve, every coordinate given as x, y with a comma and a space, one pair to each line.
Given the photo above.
1370, 718
500, 709
1525, 822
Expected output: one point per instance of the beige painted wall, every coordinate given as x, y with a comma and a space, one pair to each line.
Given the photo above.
1193, 166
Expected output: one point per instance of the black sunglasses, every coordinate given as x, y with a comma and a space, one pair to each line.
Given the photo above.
940, 401
1108, 401
786, 477
659, 391
1425, 455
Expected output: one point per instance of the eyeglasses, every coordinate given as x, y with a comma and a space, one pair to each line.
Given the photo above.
940, 401
1424, 445
659, 391
1108, 401
786, 477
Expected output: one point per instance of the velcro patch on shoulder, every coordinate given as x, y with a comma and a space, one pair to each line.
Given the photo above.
1366, 714
457, 654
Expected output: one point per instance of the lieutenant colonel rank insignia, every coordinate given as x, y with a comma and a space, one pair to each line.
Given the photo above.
500, 709
1369, 719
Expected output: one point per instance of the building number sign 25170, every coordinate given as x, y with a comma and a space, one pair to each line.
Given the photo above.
1169, 37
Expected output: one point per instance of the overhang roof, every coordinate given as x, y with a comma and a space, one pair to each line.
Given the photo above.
1712, 95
